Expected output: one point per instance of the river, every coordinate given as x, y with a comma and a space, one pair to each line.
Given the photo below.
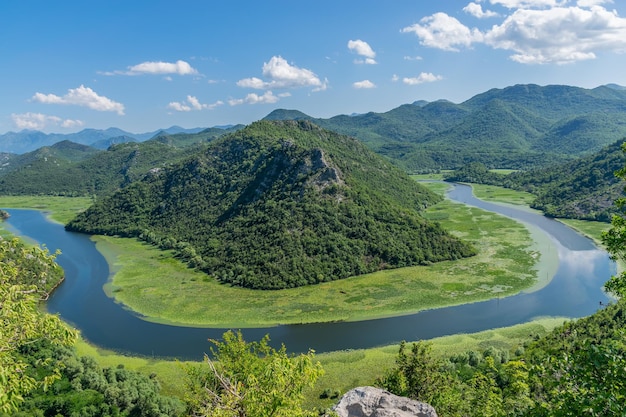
574, 291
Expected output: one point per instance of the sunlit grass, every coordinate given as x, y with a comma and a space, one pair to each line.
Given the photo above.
345, 370
61, 209
157, 285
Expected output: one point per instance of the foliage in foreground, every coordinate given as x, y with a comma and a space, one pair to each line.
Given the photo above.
40, 374
250, 380
26, 277
577, 370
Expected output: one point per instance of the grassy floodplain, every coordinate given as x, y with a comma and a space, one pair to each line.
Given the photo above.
59, 209
158, 286
154, 283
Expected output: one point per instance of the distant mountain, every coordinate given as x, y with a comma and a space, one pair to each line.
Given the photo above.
521, 126
279, 204
115, 140
67, 168
29, 140
59, 155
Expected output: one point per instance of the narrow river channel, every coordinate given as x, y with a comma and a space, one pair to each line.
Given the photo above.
574, 291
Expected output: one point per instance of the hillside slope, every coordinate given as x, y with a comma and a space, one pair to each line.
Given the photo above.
522, 126
280, 204
585, 188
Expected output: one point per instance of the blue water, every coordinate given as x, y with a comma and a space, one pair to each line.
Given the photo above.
574, 291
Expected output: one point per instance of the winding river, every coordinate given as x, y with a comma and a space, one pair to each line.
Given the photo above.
574, 291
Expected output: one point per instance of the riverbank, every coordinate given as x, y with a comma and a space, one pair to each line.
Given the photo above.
511, 259
343, 370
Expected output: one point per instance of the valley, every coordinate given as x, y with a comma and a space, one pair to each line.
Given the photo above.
323, 241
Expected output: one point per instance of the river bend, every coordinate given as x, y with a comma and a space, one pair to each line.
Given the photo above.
574, 291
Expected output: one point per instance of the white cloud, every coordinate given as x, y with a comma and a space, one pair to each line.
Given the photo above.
537, 32
443, 32
528, 4
38, 121
412, 58
280, 74
267, 98
559, 35
364, 84
476, 10
192, 103
589, 3
424, 77
395, 77
159, 68
82, 96
363, 49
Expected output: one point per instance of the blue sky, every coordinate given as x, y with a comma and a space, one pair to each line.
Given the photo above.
144, 65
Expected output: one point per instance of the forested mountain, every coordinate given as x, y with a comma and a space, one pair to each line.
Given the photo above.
585, 188
61, 154
67, 168
521, 126
280, 204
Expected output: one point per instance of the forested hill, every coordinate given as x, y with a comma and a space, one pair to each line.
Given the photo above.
67, 168
280, 204
585, 188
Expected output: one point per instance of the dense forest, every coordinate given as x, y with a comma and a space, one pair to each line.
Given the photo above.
280, 204
582, 189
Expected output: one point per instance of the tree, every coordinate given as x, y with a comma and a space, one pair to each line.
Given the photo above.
24, 274
250, 380
615, 241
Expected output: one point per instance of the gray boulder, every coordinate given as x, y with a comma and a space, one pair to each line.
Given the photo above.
375, 402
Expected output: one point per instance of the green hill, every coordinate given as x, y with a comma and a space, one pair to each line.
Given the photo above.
280, 204
585, 188
67, 168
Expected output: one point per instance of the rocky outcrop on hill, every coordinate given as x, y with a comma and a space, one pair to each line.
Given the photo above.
376, 402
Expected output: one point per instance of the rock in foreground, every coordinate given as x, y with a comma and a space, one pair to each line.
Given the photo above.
376, 402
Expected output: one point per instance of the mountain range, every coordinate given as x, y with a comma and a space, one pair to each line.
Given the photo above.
30, 140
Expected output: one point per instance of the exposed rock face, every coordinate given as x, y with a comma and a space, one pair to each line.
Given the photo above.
375, 402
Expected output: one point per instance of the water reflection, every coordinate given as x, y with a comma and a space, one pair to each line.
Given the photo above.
575, 291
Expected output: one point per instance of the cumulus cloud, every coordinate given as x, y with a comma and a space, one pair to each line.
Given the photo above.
527, 4
39, 121
158, 68
267, 98
279, 74
424, 77
363, 49
82, 96
476, 10
364, 84
443, 32
192, 103
535, 31
559, 35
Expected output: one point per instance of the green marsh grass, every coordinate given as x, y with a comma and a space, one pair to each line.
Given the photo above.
155, 284
60, 209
